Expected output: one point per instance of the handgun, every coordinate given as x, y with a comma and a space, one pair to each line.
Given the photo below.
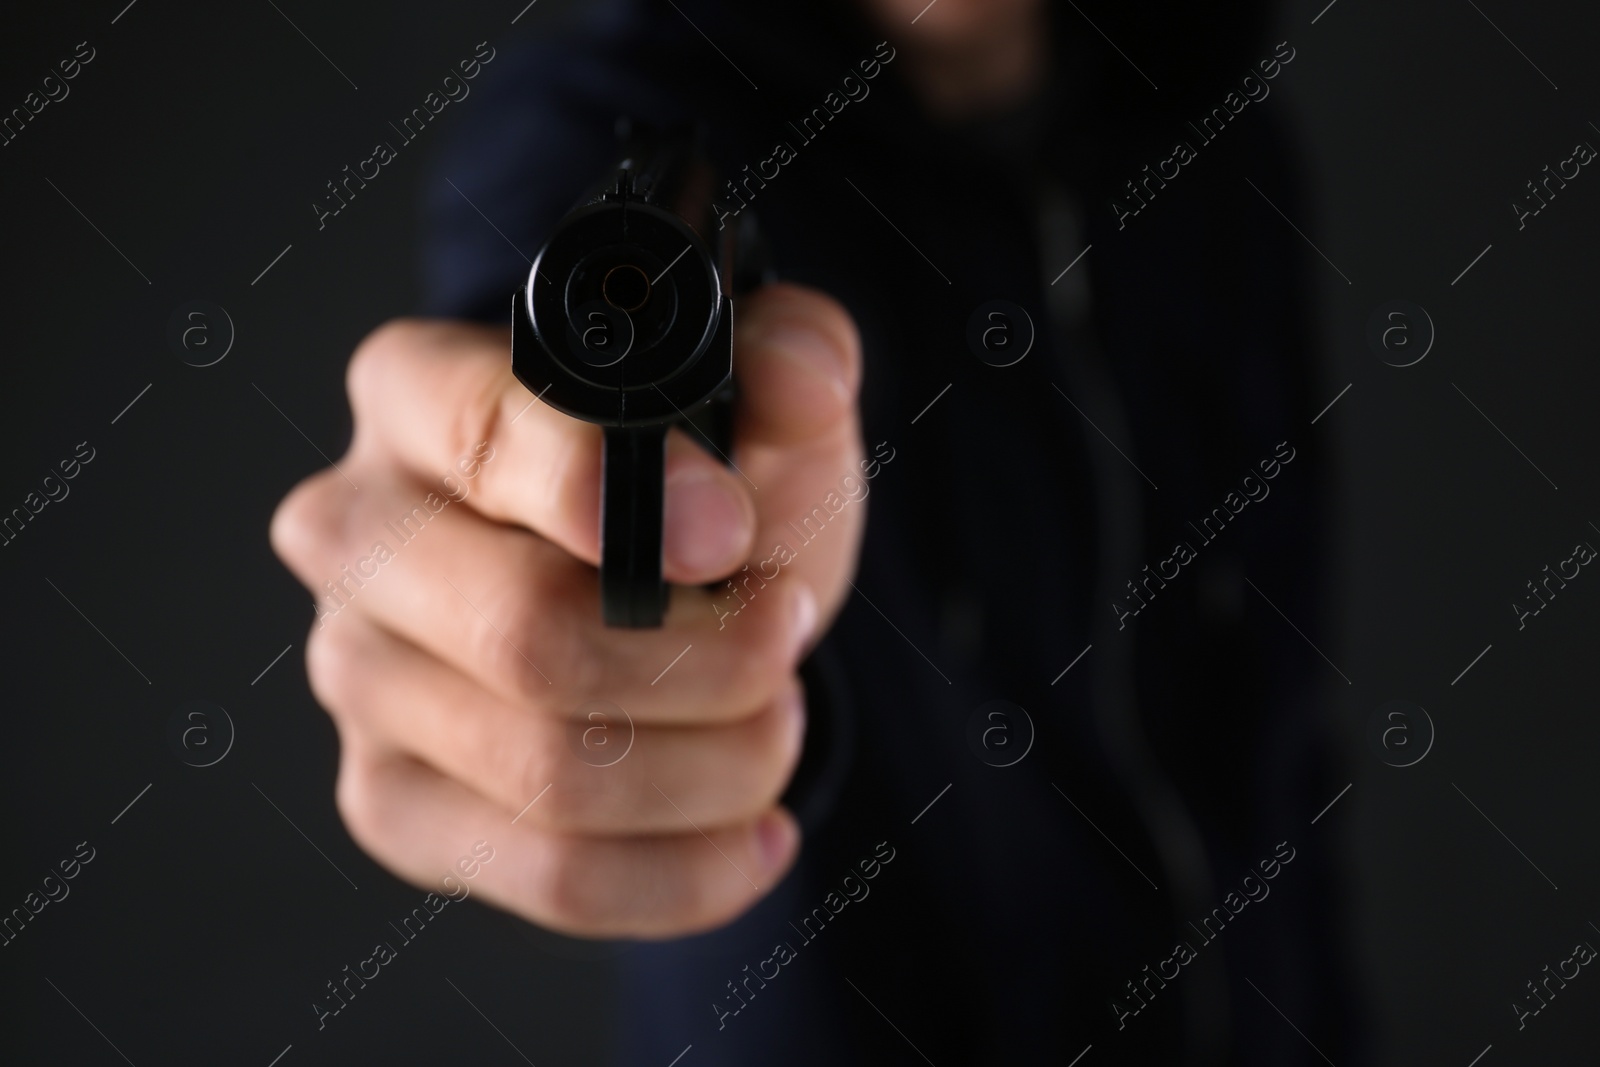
626, 321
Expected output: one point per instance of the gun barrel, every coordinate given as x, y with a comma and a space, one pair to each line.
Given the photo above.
626, 321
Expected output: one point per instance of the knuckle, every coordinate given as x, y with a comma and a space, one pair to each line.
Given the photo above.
525, 626
511, 637
374, 358
538, 651
601, 802
334, 669
356, 798
527, 765
480, 419
569, 476
306, 523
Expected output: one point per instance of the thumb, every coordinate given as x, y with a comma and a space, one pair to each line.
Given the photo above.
797, 357
797, 440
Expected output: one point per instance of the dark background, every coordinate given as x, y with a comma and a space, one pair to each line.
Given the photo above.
196, 141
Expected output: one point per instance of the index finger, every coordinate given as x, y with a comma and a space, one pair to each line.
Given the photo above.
439, 398
433, 393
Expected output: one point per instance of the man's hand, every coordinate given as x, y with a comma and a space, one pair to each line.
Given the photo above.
455, 664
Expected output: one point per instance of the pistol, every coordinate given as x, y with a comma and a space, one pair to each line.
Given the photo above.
626, 321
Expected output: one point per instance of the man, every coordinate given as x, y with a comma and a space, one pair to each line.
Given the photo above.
819, 833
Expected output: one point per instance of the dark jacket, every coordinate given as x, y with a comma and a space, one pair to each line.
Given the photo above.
1034, 909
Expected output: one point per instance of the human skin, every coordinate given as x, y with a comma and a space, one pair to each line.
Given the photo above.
456, 678
967, 57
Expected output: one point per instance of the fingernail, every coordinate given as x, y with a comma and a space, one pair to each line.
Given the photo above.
775, 837
797, 718
814, 351
805, 617
703, 523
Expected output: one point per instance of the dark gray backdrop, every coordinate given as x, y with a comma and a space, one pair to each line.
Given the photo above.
182, 165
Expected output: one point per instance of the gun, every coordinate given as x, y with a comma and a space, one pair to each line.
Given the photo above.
626, 321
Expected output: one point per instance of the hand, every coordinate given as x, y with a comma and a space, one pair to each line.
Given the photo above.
455, 658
